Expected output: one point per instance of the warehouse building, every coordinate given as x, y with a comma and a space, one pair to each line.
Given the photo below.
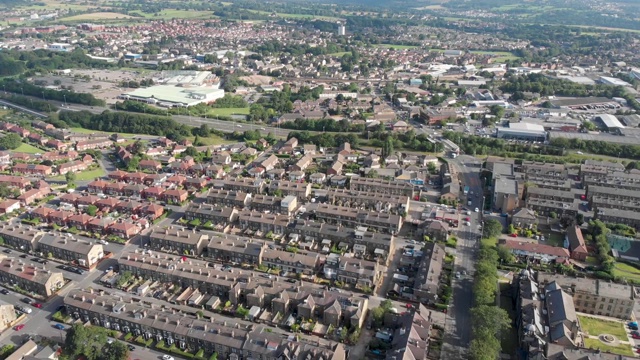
523, 131
174, 96
610, 122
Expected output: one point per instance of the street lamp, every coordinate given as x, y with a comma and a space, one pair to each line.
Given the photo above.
65, 100
43, 99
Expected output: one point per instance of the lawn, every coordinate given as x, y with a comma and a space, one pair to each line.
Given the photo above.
228, 111
177, 14
397, 47
87, 175
89, 131
597, 344
211, 140
597, 327
29, 149
626, 271
97, 16
491, 242
555, 239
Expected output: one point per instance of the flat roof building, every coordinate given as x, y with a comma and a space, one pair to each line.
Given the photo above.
523, 131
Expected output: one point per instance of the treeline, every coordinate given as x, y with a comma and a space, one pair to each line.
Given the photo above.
598, 147
125, 122
324, 139
323, 125
488, 320
598, 232
547, 86
10, 67
407, 140
43, 60
58, 95
230, 101
37, 105
139, 107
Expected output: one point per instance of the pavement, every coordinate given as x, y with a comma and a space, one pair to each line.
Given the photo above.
458, 324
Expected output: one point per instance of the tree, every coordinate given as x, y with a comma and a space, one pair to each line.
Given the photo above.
387, 148
117, 350
505, 254
579, 219
92, 210
10, 142
242, 312
70, 177
488, 321
91, 343
492, 228
511, 229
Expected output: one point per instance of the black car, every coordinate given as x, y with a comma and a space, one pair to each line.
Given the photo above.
131, 347
6, 251
4, 291
35, 259
24, 256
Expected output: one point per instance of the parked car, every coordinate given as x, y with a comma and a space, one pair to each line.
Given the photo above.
167, 357
19, 327
27, 300
59, 326
4, 291
24, 256
37, 305
131, 347
6, 251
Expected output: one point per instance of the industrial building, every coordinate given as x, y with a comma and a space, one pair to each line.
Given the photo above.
610, 122
174, 96
523, 131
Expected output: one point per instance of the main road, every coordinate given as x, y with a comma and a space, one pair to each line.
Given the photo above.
458, 326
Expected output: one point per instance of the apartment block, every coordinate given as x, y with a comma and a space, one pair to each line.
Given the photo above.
596, 297
29, 277
179, 240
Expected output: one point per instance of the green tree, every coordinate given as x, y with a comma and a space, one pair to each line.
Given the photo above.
492, 228
242, 312
117, 350
70, 177
92, 210
505, 254
10, 141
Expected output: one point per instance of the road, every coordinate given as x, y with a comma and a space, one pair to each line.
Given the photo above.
220, 125
23, 109
458, 324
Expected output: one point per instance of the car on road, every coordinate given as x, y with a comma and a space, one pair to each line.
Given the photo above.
19, 327
513, 235
458, 275
467, 223
27, 300
167, 357
477, 210
6, 251
635, 336
131, 347
104, 242
467, 219
268, 276
24, 256
59, 326
4, 291
37, 305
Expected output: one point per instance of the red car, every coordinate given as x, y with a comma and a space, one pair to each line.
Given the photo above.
467, 218
38, 305
638, 351
19, 327
514, 235
635, 336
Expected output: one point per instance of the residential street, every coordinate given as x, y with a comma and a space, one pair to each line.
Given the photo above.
458, 326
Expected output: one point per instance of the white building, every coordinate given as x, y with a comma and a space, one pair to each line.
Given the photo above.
342, 30
523, 131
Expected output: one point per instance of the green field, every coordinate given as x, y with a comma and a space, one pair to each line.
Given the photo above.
97, 16
597, 327
626, 271
228, 111
597, 344
211, 140
296, 16
90, 174
396, 47
177, 14
89, 131
29, 149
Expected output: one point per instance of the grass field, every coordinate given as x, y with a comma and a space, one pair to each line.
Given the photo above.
396, 47
211, 140
97, 16
626, 271
296, 16
90, 174
29, 149
55, 4
597, 327
89, 131
177, 14
228, 111
597, 344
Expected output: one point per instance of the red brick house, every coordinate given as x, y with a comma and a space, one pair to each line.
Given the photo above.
97, 186
60, 217
56, 144
150, 165
115, 189
70, 198
33, 195
99, 225
178, 180
80, 221
32, 169
195, 183
154, 211
136, 177
107, 204
175, 196
124, 229
9, 206
42, 213
154, 192
87, 200
118, 175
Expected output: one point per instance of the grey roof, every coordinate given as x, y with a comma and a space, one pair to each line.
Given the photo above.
68, 242
560, 307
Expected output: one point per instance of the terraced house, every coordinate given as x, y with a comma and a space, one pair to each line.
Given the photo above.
66, 247
20, 237
381, 186
231, 248
179, 240
341, 215
177, 325
298, 263
29, 277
